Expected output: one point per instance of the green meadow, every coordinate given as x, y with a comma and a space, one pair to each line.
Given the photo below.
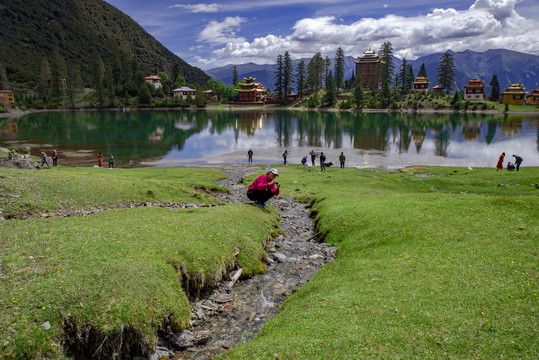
119, 269
433, 262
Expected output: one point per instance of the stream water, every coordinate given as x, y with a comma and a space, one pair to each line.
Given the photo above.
232, 314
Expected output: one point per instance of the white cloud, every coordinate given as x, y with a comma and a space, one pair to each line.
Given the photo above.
487, 24
199, 8
223, 32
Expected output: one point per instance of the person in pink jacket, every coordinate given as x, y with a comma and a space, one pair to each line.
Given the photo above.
264, 188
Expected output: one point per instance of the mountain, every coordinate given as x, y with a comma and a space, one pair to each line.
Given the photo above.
74, 31
509, 66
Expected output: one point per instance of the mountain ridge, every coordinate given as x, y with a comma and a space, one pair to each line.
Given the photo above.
76, 30
508, 65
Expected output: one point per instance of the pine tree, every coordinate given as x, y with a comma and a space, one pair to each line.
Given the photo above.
387, 68
359, 95
279, 78
339, 69
446, 72
327, 66
495, 92
330, 97
402, 75
315, 71
300, 79
288, 77
409, 78
422, 71
4, 83
235, 76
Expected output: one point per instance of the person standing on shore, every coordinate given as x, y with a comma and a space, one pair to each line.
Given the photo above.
322, 161
250, 156
100, 159
44, 159
264, 188
111, 161
313, 156
342, 159
54, 158
499, 166
518, 161
285, 155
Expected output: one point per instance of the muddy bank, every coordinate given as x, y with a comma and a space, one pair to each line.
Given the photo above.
235, 311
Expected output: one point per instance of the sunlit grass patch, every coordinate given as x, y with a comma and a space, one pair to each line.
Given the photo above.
120, 268
437, 266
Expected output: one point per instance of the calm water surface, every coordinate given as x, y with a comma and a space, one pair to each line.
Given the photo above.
176, 137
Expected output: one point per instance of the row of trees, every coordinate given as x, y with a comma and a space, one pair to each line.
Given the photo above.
309, 79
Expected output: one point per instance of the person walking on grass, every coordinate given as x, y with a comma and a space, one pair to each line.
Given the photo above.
342, 159
518, 161
322, 161
54, 158
499, 165
285, 155
100, 159
44, 159
313, 156
111, 161
250, 156
264, 188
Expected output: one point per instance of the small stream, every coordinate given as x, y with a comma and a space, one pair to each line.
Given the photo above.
233, 314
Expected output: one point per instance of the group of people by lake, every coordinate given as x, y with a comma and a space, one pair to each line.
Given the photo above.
510, 166
100, 160
322, 158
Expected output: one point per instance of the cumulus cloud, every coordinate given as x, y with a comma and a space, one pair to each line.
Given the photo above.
198, 8
223, 32
487, 24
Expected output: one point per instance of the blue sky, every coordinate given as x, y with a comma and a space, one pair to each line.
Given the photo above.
210, 34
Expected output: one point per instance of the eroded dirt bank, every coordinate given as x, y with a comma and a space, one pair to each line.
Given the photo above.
233, 314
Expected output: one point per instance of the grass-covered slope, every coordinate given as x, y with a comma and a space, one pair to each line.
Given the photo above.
120, 276
437, 263
24, 193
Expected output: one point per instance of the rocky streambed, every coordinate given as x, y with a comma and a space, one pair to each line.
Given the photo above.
235, 311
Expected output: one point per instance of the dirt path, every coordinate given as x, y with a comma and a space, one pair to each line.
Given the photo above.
230, 315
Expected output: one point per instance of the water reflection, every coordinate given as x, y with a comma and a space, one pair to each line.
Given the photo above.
368, 139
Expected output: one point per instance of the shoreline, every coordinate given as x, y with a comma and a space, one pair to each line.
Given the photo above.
17, 113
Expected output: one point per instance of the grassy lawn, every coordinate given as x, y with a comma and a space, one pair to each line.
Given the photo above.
124, 268
47, 190
433, 263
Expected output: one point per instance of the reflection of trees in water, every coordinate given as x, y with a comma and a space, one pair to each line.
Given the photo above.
511, 125
441, 141
146, 134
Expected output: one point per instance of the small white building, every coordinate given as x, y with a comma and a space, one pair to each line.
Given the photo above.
154, 80
183, 92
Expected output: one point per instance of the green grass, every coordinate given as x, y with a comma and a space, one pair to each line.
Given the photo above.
120, 268
48, 190
442, 266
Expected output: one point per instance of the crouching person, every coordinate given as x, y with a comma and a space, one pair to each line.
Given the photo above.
264, 188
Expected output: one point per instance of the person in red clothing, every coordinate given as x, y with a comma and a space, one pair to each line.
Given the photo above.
100, 159
499, 166
264, 188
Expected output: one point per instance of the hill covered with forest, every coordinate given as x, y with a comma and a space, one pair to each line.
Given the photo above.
70, 36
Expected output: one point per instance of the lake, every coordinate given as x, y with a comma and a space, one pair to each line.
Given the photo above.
180, 137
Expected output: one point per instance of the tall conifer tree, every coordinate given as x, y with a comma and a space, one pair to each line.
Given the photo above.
301, 78
339, 69
279, 77
495, 92
446, 72
235, 76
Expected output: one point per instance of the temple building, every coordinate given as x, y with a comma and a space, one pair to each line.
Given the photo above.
7, 96
421, 83
183, 92
438, 89
250, 92
533, 97
474, 91
154, 80
514, 95
367, 68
